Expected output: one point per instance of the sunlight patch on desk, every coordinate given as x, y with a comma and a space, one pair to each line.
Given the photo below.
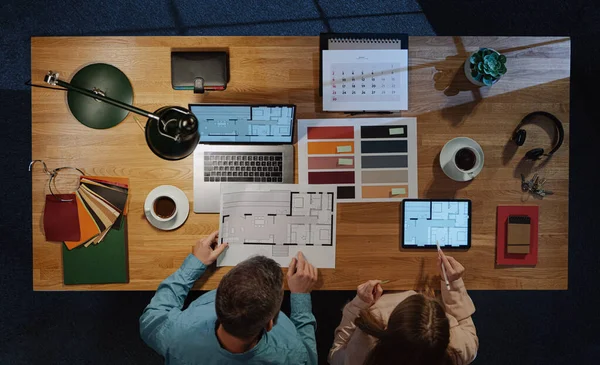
533, 61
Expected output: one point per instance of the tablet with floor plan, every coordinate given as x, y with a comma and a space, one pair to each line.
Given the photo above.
426, 222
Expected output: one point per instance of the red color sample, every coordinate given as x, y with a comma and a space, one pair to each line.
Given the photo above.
330, 133
502, 256
334, 177
61, 220
328, 163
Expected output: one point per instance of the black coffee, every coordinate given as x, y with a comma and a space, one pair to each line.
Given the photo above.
164, 207
465, 159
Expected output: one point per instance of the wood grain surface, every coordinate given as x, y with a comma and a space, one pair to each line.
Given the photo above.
286, 70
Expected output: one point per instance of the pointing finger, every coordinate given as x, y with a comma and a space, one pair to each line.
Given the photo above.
301, 261
292, 267
211, 238
219, 250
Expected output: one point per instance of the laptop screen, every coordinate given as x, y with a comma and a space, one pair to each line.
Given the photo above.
245, 123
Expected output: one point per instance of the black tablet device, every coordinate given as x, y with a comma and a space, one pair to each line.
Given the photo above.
427, 221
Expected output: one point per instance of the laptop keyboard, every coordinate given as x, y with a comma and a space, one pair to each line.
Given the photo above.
243, 167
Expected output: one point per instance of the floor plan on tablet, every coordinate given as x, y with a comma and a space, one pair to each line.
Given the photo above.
426, 222
277, 221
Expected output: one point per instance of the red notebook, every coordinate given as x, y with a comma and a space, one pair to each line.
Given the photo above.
61, 220
502, 256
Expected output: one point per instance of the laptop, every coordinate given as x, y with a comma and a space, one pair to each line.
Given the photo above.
241, 144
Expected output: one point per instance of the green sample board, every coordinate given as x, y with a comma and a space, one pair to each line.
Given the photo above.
104, 263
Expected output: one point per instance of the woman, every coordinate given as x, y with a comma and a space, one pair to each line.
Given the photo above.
408, 327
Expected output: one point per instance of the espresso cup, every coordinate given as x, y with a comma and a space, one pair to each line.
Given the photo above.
163, 208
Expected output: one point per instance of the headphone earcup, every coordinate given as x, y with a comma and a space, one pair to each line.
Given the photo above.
520, 137
534, 154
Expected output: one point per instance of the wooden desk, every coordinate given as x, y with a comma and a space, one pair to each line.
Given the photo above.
286, 70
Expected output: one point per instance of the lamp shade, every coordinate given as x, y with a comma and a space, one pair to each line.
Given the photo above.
175, 135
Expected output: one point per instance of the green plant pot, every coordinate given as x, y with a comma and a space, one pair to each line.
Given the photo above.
467, 68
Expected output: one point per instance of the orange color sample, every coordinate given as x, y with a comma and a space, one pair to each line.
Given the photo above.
379, 192
87, 226
329, 148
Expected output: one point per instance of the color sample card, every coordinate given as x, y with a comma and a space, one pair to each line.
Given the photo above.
370, 160
61, 219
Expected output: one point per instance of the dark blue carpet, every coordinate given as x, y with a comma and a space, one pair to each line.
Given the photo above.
99, 328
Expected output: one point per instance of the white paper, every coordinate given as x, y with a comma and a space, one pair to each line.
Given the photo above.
277, 221
409, 126
365, 80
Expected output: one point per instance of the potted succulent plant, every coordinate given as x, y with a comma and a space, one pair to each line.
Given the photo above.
485, 67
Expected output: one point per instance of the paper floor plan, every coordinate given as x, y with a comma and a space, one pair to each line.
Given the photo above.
278, 220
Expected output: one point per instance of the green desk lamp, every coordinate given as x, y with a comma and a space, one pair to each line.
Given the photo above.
171, 131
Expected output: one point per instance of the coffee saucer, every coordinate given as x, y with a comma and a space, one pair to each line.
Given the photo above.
447, 158
180, 199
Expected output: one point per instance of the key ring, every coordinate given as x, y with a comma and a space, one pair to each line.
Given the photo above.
52, 174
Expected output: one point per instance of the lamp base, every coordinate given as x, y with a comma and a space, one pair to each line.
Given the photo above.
106, 80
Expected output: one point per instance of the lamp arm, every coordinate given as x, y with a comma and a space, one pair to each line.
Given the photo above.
52, 79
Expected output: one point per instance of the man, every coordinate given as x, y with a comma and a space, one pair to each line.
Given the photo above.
240, 322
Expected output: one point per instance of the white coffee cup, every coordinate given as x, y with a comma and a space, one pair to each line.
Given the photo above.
462, 159
164, 208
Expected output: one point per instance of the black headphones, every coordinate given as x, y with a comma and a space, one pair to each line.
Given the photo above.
519, 135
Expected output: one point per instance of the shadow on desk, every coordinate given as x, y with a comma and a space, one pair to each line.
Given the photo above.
450, 78
442, 187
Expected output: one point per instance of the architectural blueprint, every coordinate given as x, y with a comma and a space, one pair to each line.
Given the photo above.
277, 221
426, 222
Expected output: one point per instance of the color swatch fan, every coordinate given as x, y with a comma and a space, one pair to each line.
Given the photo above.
101, 203
102, 208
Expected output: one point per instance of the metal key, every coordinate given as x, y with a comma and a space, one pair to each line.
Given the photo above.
524, 184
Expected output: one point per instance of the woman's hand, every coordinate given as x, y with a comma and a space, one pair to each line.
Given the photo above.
454, 269
370, 291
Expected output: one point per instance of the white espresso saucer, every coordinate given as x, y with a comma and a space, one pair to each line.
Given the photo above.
181, 201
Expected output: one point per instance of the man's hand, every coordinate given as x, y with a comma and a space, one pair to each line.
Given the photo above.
301, 275
454, 269
370, 291
206, 249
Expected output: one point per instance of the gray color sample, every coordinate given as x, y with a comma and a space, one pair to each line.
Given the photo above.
384, 176
377, 162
